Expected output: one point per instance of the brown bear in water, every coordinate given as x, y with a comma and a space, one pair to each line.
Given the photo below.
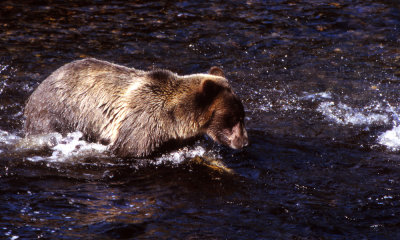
135, 111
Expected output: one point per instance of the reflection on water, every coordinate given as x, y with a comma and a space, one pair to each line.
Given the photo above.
320, 83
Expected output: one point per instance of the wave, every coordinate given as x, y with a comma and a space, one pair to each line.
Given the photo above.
62, 148
391, 139
72, 148
344, 115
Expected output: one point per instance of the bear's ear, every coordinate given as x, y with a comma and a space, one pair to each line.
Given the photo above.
216, 71
209, 90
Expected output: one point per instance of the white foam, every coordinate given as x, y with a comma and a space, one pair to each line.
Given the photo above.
8, 138
391, 139
71, 147
315, 96
36, 142
345, 115
181, 155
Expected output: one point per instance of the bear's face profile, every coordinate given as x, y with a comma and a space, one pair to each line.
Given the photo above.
226, 113
227, 122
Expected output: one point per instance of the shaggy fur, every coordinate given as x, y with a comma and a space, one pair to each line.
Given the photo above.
135, 111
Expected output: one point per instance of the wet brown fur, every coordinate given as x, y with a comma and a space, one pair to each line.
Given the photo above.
134, 111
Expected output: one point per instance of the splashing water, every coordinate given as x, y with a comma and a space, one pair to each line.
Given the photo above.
391, 138
197, 155
344, 114
7, 138
63, 148
316, 96
181, 155
70, 147
396, 118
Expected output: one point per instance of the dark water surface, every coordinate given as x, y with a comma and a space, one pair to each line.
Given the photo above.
320, 81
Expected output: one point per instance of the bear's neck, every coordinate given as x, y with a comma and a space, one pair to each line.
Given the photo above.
169, 107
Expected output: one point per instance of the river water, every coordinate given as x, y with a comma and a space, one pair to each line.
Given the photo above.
320, 82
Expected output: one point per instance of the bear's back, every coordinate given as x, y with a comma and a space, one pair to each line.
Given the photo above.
83, 95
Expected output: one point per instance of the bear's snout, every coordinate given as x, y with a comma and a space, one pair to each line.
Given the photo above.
238, 137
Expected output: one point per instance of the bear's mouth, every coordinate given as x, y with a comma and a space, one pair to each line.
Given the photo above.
231, 138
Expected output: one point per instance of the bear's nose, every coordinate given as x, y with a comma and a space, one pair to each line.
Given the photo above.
240, 142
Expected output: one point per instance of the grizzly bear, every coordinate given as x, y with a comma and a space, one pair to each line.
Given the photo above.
136, 112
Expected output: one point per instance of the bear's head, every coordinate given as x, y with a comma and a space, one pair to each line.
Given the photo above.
223, 111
